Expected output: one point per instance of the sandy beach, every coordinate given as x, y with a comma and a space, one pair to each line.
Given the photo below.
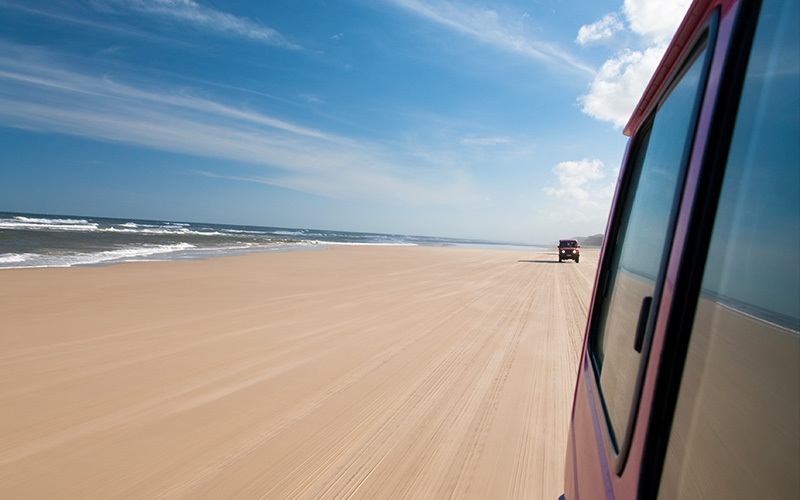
352, 372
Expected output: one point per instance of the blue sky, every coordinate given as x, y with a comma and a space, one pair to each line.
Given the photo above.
496, 120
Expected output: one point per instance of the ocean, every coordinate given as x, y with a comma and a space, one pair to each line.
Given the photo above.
38, 240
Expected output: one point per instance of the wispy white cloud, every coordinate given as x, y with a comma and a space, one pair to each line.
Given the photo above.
488, 27
485, 141
605, 28
70, 17
38, 94
208, 19
40, 82
616, 88
188, 12
311, 99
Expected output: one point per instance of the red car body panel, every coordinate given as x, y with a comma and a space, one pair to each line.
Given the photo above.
589, 471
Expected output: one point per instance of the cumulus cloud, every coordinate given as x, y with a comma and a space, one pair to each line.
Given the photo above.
616, 88
602, 29
585, 196
573, 177
656, 21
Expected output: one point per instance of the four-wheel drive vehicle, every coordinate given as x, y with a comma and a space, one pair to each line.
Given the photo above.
569, 249
689, 379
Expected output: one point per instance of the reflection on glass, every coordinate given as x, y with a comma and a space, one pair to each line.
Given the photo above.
736, 433
642, 244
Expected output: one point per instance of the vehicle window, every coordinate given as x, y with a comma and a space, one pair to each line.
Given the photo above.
641, 242
736, 430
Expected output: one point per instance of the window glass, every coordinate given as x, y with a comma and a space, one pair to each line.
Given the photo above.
736, 430
642, 242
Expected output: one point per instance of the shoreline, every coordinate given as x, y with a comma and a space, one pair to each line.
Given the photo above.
206, 254
361, 370
42, 241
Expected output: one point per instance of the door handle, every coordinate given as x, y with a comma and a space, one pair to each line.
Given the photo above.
641, 325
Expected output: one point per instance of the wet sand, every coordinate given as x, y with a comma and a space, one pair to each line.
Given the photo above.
352, 372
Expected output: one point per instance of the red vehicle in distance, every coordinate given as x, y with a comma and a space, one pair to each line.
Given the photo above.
689, 377
569, 250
